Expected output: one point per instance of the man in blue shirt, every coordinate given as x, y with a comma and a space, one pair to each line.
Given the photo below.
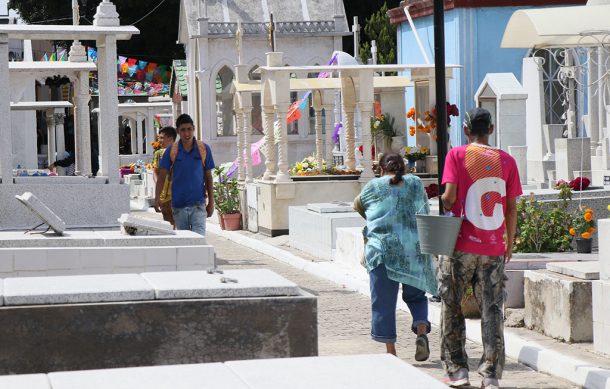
190, 164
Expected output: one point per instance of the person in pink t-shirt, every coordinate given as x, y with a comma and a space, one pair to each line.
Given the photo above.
482, 184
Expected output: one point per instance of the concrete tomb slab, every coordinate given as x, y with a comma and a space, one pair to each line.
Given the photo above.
231, 283
316, 233
155, 332
337, 206
98, 238
195, 376
25, 381
583, 270
134, 225
76, 289
43, 212
352, 371
558, 306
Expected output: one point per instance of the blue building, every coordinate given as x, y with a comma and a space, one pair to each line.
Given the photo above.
473, 32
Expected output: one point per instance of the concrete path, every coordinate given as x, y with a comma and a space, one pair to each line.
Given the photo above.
344, 321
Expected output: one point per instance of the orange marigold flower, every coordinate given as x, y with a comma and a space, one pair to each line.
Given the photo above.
572, 231
585, 235
591, 230
588, 217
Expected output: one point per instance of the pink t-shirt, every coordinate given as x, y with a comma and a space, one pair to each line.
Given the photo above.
485, 178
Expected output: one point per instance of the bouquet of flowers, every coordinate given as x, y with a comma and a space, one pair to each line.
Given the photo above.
383, 125
428, 124
584, 224
416, 153
307, 167
156, 144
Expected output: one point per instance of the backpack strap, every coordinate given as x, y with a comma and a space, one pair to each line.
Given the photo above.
203, 152
173, 152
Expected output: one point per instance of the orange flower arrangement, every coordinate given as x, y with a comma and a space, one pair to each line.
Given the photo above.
584, 224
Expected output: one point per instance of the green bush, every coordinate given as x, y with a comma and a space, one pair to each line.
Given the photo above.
543, 227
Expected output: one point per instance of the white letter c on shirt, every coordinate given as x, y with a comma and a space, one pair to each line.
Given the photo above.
473, 206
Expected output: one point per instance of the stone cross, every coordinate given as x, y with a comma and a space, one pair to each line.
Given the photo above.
356, 32
271, 30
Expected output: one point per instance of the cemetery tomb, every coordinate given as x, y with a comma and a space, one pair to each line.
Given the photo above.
120, 320
313, 228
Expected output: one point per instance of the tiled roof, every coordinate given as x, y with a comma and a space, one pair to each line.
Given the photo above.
179, 76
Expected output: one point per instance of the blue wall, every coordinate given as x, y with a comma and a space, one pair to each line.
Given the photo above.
472, 40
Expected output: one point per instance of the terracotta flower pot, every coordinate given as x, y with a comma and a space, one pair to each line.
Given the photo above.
231, 221
583, 246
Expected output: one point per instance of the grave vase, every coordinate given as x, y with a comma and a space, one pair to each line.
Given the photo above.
583, 246
420, 166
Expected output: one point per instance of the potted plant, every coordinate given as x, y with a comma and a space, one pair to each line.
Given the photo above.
416, 156
383, 125
583, 226
226, 200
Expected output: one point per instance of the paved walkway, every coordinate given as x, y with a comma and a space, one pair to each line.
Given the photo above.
344, 321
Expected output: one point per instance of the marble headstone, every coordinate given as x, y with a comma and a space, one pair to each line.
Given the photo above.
134, 225
43, 212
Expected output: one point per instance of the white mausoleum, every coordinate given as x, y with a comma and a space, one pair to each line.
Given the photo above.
306, 31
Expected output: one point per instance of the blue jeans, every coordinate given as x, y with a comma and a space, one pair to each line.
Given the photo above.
384, 294
190, 218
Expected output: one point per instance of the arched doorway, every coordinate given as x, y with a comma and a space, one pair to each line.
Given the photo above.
224, 102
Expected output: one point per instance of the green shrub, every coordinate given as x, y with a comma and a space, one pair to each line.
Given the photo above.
543, 227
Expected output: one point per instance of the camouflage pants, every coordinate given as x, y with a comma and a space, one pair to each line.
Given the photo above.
485, 275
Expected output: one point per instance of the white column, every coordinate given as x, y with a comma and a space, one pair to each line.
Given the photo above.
82, 127
50, 117
109, 110
367, 163
282, 160
602, 68
139, 133
150, 125
247, 142
268, 125
132, 133
239, 128
60, 140
6, 146
350, 137
330, 129
592, 103
150, 132
319, 142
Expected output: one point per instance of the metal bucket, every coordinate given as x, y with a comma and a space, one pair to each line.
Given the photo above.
438, 234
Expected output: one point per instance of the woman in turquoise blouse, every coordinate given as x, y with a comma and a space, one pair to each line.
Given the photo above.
392, 253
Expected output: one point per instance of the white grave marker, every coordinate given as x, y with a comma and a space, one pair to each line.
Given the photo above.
43, 212
134, 225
